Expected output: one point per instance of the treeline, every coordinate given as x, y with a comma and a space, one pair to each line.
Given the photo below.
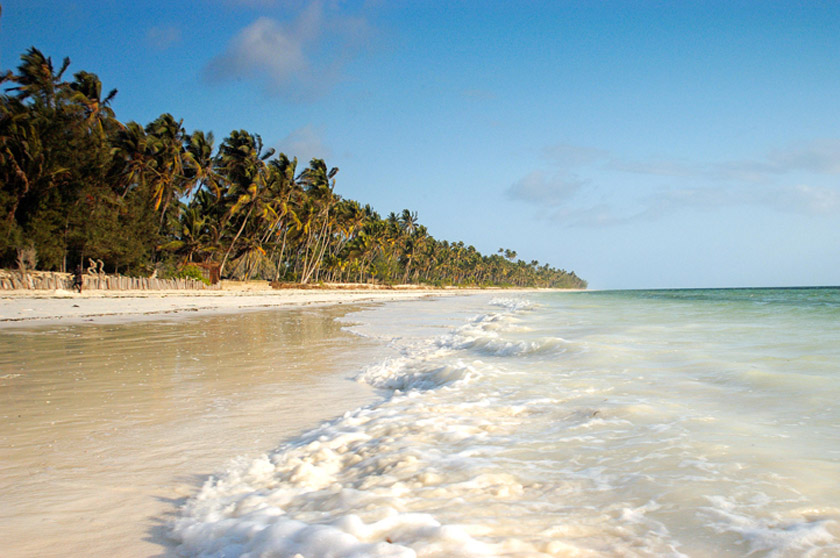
77, 183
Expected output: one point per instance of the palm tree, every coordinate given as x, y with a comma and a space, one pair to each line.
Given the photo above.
201, 164
88, 94
280, 189
37, 80
318, 183
168, 160
408, 221
193, 235
131, 158
242, 162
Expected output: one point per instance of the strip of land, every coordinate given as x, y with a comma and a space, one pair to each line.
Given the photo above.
26, 307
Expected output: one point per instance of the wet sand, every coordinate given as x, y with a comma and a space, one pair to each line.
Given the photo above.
106, 428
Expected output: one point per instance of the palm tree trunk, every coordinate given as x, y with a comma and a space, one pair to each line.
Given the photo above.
282, 252
224, 260
314, 262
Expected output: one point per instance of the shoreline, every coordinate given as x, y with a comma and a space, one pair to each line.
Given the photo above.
162, 404
33, 308
119, 431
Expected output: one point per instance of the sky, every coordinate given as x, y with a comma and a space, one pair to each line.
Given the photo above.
646, 144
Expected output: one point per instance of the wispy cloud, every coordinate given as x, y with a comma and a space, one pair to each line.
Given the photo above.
798, 199
595, 216
305, 143
542, 190
820, 156
162, 38
778, 181
299, 59
809, 200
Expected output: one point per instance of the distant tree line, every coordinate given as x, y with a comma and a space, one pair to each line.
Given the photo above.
77, 183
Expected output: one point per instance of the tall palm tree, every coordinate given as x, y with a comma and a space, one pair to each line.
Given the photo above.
37, 80
131, 159
201, 163
242, 162
282, 189
87, 92
193, 234
408, 221
168, 159
318, 183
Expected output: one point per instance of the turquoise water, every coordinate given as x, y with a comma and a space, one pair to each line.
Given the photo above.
635, 423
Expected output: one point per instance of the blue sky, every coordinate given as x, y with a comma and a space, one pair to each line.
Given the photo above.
641, 144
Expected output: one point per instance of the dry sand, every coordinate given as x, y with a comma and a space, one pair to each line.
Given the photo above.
30, 307
115, 407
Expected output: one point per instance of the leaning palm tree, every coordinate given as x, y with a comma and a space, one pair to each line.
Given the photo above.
193, 235
168, 161
131, 159
318, 184
37, 80
281, 193
201, 164
242, 162
87, 93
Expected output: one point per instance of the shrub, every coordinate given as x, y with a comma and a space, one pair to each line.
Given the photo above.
191, 271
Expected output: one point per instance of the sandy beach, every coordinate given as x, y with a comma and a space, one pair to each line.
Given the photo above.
117, 407
39, 307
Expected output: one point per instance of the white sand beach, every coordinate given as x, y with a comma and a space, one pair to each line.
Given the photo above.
116, 407
31, 307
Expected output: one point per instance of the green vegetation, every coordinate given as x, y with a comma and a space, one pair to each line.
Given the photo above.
190, 271
77, 183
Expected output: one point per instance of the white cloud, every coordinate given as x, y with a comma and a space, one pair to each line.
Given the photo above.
810, 200
298, 59
596, 216
305, 143
799, 199
540, 190
820, 156
817, 157
677, 186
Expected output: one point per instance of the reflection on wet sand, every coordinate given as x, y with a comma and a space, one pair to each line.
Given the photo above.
106, 428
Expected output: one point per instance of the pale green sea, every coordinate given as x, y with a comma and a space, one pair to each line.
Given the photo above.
702, 423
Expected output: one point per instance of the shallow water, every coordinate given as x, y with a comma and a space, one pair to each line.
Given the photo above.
106, 429
659, 423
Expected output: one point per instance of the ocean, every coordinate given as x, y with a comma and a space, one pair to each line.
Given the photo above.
700, 423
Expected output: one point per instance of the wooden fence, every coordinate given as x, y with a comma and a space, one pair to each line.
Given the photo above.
50, 281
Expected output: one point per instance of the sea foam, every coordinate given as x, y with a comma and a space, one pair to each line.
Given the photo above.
581, 425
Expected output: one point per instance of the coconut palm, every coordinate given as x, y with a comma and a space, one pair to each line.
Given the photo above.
37, 80
318, 184
167, 162
75, 181
408, 221
201, 164
242, 162
87, 93
193, 234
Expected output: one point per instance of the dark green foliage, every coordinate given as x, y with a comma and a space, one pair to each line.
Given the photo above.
75, 183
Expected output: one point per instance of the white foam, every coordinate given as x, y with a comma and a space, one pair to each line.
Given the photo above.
796, 532
504, 437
